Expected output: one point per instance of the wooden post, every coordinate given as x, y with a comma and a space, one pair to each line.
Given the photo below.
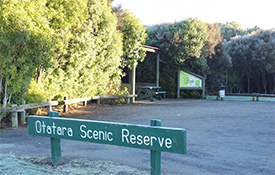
55, 144
133, 83
14, 118
50, 108
23, 114
155, 155
203, 88
85, 102
157, 77
66, 107
178, 88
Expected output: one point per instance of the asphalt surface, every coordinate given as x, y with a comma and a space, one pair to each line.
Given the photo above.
223, 137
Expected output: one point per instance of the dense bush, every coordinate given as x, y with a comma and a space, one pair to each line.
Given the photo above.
181, 46
253, 59
56, 48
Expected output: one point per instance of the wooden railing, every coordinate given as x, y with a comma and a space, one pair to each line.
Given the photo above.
14, 110
255, 96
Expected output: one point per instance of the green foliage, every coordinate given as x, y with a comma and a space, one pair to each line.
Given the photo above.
181, 47
88, 49
134, 36
219, 66
213, 40
231, 29
51, 48
25, 42
191, 94
35, 94
253, 57
146, 71
189, 38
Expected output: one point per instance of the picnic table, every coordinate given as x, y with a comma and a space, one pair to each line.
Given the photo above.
149, 92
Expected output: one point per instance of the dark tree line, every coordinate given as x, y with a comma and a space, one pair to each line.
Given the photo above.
227, 55
253, 59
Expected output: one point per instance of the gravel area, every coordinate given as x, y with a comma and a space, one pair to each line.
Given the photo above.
223, 137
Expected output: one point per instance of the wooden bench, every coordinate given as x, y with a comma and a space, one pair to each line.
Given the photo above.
159, 93
106, 97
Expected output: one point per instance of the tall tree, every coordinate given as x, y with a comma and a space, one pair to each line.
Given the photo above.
88, 49
181, 46
231, 29
25, 43
134, 36
253, 58
216, 60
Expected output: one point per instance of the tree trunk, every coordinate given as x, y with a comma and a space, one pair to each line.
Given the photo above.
5, 100
241, 83
0, 90
264, 82
1, 85
9, 99
248, 84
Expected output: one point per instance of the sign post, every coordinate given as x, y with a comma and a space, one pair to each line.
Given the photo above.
154, 138
55, 143
155, 155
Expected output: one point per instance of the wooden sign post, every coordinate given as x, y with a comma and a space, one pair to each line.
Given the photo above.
154, 137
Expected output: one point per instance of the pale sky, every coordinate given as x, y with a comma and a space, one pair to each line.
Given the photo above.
248, 13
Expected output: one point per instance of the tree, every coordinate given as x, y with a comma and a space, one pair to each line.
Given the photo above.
88, 49
134, 36
253, 58
189, 38
231, 29
213, 40
216, 59
181, 46
25, 43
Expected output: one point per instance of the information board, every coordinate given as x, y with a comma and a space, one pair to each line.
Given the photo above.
190, 81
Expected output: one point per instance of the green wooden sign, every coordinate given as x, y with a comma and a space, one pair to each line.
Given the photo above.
129, 135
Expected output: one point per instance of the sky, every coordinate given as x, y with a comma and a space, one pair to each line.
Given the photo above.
248, 13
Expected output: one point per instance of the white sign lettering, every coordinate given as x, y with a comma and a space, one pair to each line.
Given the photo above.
52, 129
126, 137
96, 135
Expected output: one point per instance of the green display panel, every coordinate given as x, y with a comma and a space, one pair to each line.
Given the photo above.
189, 81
